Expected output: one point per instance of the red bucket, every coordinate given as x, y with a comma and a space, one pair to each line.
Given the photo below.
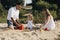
21, 27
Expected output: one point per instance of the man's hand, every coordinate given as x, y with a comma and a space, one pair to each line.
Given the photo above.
14, 21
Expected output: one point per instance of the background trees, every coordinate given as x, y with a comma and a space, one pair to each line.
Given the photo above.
52, 5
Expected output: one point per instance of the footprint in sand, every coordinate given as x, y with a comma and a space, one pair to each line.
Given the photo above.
33, 33
26, 34
45, 39
2, 38
58, 37
40, 39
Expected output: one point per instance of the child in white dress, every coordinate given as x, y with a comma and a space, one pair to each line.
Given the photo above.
30, 22
49, 21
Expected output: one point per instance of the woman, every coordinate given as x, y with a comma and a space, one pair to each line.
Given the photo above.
49, 22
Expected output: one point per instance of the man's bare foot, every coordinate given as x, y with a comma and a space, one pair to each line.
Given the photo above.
11, 28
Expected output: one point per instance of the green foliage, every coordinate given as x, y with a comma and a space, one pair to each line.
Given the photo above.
9, 3
3, 12
38, 17
57, 2
54, 14
47, 5
1, 9
58, 13
52, 5
3, 19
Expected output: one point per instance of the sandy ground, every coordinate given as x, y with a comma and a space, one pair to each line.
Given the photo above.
7, 34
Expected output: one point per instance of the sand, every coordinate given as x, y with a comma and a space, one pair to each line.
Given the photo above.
7, 34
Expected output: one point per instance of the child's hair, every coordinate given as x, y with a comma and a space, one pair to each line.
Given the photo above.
31, 16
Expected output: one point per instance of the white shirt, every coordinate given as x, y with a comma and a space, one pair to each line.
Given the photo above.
27, 2
13, 12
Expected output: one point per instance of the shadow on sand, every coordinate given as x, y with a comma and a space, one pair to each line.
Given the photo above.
3, 28
58, 37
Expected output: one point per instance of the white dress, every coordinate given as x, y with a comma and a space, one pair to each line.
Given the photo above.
51, 24
30, 24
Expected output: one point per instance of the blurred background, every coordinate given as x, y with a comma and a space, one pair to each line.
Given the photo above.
34, 6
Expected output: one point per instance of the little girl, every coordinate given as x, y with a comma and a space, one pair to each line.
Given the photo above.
30, 22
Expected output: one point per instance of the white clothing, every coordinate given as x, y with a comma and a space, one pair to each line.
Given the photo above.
30, 24
51, 24
13, 12
27, 2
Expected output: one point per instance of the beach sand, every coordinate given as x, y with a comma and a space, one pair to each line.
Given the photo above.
7, 34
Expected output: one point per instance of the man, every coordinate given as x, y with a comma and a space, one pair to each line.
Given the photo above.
13, 16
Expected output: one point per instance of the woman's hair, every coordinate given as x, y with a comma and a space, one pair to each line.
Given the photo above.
47, 12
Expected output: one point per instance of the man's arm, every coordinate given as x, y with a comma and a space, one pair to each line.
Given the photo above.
14, 22
18, 21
